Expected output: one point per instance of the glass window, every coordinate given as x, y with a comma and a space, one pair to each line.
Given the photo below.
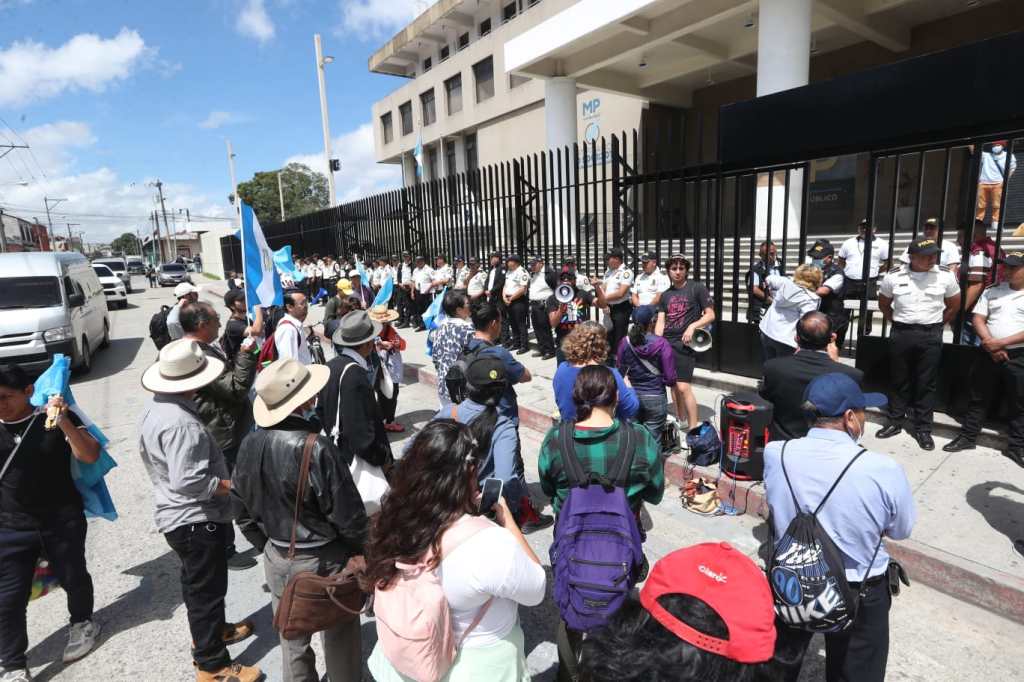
387, 128
444, 52
515, 81
32, 292
453, 92
449, 157
509, 12
485, 27
483, 72
427, 64
471, 159
464, 40
405, 114
432, 163
427, 106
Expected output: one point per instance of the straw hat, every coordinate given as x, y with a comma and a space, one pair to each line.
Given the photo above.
182, 367
381, 313
355, 329
282, 386
344, 286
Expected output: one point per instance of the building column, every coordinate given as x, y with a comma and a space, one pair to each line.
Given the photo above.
560, 111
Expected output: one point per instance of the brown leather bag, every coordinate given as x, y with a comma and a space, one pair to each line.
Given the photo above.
311, 602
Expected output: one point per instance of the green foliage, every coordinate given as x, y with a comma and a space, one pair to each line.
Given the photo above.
126, 244
304, 191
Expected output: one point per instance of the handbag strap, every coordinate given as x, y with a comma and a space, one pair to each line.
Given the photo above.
648, 365
336, 429
476, 621
300, 489
17, 447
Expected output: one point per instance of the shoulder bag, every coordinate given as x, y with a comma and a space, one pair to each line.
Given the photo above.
369, 479
312, 602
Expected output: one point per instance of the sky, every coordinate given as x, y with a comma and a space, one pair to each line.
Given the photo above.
111, 95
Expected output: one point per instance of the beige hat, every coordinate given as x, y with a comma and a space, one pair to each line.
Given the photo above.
184, 289
381, 313
182, 367
282, 386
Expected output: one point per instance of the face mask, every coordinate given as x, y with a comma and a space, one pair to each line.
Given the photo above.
997, 149
860, 429
818, 263
309, 414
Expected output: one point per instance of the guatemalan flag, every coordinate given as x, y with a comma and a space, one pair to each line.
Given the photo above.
417, 154
262, 283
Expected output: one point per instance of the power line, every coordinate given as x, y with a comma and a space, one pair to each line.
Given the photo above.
72, 214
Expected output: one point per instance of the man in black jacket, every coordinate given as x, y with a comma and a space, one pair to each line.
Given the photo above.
332, 523
493, 289
786, 378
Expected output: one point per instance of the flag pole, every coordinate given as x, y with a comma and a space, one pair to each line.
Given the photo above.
237, 205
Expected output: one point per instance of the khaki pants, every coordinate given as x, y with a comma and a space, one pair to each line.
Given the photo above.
342, 644
989, 194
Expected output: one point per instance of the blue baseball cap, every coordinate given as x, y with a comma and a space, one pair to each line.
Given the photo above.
644, 315
833, 394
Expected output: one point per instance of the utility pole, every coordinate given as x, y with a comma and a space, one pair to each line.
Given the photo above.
321, 60
71, 242
163, 209
234, 184
49, 221
159, 238
3, 233
280, 195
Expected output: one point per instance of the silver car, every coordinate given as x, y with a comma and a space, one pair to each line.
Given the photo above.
171, 274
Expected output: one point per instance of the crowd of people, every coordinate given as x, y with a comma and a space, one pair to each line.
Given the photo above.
250, 426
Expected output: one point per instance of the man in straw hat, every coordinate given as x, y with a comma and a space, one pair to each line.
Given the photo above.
332, 524
190, 484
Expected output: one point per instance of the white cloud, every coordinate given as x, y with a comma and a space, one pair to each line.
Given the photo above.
360, 174
254, 22
218, 119
379, 17
33, 71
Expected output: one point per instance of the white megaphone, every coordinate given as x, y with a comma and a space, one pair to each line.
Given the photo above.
565, 293
701, 340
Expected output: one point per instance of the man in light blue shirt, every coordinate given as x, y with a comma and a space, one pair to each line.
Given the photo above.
872, 500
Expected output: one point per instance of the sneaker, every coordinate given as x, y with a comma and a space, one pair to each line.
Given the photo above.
236, 632
236, 672
240, 561
81, 640
530, 520
22, 675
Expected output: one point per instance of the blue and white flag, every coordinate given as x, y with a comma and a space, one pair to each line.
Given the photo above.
417, 154
262, 283
285, 264
364, 279
384, 295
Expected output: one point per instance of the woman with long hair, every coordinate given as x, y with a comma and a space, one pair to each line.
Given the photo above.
791, 299
433, 489
649, 365
585, 346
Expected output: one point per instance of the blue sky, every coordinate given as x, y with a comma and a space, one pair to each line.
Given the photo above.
113, 94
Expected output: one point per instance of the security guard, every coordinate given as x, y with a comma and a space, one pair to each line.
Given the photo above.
442, 275
403, 290
422, 275
461, 273
542, 286
999, 323
476, 280
582, 281
650, 283
517, 281
919, 300
822, 256
615, 287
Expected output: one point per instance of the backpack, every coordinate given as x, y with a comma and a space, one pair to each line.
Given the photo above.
158, 330
455, 380
597, 551
806, 570
704, 443
414, 624
268, 351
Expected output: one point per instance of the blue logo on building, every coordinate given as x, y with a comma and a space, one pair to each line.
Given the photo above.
591, 107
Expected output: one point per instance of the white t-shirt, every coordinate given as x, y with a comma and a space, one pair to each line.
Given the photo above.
491, 563
789, 303
852, 251
1004, 308
650, 285
919, 297
950, 254
994, 165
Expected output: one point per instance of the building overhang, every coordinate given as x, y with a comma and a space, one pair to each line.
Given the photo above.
395, 59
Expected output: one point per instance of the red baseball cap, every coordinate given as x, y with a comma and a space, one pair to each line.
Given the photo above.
730, 583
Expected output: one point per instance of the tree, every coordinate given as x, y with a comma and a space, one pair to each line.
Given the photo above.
304, 191
126, 244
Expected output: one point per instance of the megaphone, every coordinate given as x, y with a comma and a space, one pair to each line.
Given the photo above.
565, 293
701, 340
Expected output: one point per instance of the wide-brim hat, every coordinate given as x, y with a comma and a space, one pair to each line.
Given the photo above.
355, 329
282, 386
181, 367
344, 286
184, 289
381, 313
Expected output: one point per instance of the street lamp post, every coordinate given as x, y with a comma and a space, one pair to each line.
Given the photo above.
320, 61
280, 195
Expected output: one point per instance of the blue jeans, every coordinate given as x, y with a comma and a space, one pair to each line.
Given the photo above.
652, 413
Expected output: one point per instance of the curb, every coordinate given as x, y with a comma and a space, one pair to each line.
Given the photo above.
988, 588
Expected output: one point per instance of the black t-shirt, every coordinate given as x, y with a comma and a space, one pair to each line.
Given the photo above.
575, 312
683, 307
234, 334
38, 485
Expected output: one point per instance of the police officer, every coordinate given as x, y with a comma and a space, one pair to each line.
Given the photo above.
517, 282
476, 280
422, 276
999, 323
461, 273
581, 280
759, 297
919, 300
615, 287
851, 259
492, 291
442, 275
542, 287
650, 283
403, 290
822, 256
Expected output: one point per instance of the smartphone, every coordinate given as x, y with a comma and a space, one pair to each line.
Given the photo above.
491, 493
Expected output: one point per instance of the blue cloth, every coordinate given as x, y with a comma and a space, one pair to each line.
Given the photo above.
874, 495
514, 370
285, 264
565, 379
262, 283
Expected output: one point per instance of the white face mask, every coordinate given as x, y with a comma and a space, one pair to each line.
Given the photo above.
860, 429
818, 263
997, 149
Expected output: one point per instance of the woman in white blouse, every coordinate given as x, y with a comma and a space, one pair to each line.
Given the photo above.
791, 298
433, 488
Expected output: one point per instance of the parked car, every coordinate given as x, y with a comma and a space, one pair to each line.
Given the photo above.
113, 287
170, 274
50, 303
136, 265
120, 267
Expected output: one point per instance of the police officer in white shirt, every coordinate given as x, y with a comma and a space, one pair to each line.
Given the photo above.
442, 276
461, 273
517, 282
851, 259
582, 281
403, 290
542, 286
919, 300
615, 287
950, 256
651, 282
476, 282
422, 278
999, 323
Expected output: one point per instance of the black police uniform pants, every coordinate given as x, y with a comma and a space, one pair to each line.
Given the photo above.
914, 367
204, 582
401, 300
542, 327
859, 654
420, 304
985, 376
620, 314
518, 314
854, 290
506, 322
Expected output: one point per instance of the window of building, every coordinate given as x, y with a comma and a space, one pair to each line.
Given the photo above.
509, 12
427, 106
485, 27
483, 73
444, 52
449, 157
464, 41
387, 128
427, 64
405, 114
514, 81
432, 163
453, 93
471, 159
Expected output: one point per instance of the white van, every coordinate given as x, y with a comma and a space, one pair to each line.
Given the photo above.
50, 303
119, 264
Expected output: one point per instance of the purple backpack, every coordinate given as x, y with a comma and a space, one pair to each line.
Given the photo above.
597, 551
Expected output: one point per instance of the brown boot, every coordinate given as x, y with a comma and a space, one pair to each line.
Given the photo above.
236, 632
236, 672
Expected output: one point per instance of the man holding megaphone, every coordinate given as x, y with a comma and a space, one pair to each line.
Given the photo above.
566, 308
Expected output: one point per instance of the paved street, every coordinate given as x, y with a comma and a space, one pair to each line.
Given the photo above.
138, 599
